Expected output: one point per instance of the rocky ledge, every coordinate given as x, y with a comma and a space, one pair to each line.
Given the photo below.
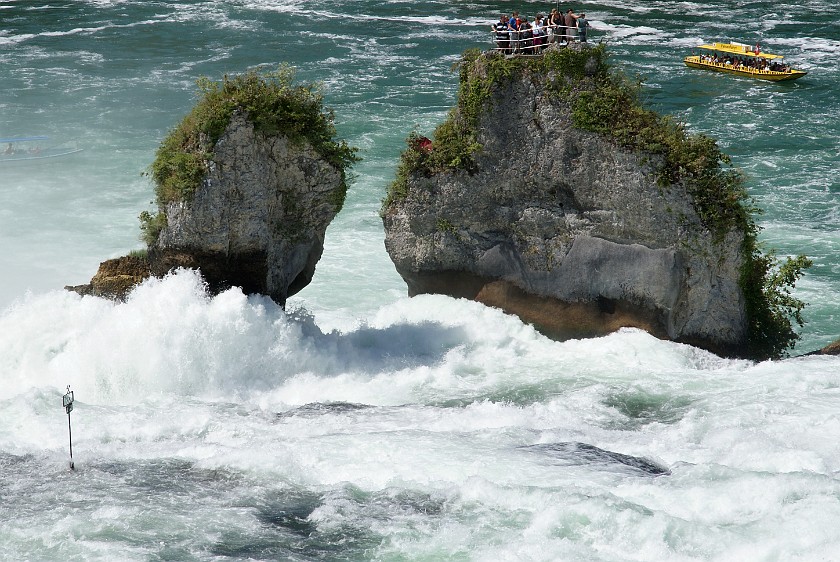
115, 278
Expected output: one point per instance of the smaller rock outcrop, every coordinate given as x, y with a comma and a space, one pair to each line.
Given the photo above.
244, 195
259, 217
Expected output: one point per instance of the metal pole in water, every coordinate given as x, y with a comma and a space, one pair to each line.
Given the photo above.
68, 405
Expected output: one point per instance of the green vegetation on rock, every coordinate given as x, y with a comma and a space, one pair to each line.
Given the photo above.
272, 102
607, 103
150, 226
455, 140
771, 309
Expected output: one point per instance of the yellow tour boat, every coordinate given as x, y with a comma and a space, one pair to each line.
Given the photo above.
743, 60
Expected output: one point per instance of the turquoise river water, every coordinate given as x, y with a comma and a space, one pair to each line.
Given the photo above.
361, 424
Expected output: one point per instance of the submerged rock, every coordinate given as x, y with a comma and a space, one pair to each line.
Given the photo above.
831, 349
561, 226
576, 453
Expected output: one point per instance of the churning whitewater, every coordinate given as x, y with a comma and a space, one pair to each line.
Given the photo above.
360, 424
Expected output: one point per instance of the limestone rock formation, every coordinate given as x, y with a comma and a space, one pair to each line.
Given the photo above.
115, 278
566, 229
259, 217
246, 185
831, 349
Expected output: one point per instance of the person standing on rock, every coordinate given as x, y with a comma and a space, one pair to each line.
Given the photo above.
513, 32
526, 36
558, 23
582, 25
539, 32
500, 28
571, 25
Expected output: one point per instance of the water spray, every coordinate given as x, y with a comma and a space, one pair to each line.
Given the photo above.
68, 405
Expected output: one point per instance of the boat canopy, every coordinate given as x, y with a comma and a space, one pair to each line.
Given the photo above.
738, 49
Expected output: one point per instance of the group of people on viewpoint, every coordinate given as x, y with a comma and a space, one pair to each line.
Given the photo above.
516, 35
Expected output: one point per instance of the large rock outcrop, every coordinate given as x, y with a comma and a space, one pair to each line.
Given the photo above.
566, 229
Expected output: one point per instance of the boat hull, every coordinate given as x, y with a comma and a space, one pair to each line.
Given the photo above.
772, 75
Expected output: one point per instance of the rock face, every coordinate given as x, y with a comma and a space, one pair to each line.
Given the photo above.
258, 220
831, 349
568, 231
115, 278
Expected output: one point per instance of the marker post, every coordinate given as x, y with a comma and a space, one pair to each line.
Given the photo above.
68, 405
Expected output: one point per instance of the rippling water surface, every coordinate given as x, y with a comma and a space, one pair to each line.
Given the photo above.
360, 424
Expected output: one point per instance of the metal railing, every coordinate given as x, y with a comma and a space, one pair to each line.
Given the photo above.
533, 41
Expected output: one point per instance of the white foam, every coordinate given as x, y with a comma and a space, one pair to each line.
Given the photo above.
447, 392
194, 413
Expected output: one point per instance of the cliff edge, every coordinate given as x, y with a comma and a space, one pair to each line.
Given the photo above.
551, 194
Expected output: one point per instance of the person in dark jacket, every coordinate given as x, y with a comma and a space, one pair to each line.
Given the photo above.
526, 36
